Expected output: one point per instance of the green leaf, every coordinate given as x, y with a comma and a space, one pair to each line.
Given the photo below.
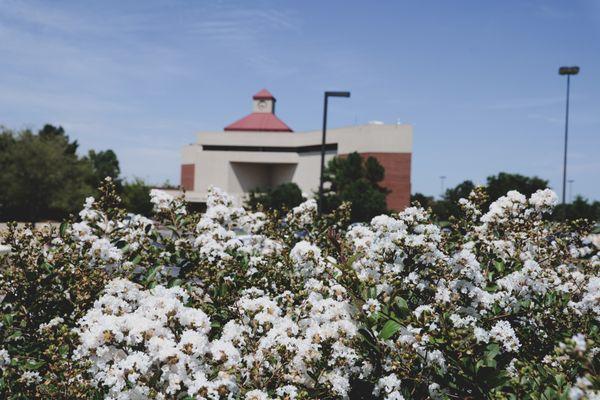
499, 265
492, 350
32, 365
8, 319
400, 307
402, 304
63, 350
15, 335
63, 229
176, 282
120, 244
389, 329
47, 267
490, 362
151, 274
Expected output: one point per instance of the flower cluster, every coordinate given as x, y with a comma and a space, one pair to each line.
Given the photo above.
232, 304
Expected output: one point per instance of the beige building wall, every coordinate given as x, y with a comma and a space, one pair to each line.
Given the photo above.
240, 170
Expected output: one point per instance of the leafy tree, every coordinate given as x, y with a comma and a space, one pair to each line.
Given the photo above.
103, 164
366, 200
136, 197
355, 180
423, 200
580, 208
286, 195
50, 132
374, 171
498, 185
448, 205
40, 175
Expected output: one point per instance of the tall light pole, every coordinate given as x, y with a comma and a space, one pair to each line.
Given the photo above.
568, 71
326, 98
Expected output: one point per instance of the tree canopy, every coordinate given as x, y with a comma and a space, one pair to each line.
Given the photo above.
496, 187
43, 178
40, 175
103, 164
355, 180
286, 195
347, 179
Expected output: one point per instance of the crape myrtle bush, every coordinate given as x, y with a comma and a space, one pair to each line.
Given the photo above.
232, 304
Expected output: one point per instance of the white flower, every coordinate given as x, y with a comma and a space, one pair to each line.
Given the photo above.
481, 335
50, 324
435, 391
105, 251
371, 307
4, 248
304, 214
163, 201
306, 258
506, 206
256, 395
4, 357
543, 200
389, 387
31, 377
504, 333
288, 391
579, 340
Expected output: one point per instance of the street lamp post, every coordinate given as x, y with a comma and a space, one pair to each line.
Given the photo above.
326, 98
568, 71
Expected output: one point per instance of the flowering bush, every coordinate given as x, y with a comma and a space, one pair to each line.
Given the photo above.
232, 304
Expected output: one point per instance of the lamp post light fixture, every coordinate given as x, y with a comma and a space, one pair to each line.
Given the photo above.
326, 98
568, 71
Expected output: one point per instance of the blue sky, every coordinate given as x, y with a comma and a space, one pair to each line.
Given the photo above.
477, 79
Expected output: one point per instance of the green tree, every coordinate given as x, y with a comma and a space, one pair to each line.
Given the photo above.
50, 132
40, 175
498, 185
136, 197
103, 164
448, 205
580, 208
423, 200
355, 180
286, 195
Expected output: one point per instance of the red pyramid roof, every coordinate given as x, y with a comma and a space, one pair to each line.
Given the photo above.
263, 94
265, 122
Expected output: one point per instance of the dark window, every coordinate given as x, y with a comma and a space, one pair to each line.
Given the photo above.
271, 149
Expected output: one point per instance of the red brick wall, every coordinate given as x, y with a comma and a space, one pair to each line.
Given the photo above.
396, 179
187, 176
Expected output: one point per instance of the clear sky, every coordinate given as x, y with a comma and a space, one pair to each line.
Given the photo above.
477, 79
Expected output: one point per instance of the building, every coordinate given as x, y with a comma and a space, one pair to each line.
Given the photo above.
260, 151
